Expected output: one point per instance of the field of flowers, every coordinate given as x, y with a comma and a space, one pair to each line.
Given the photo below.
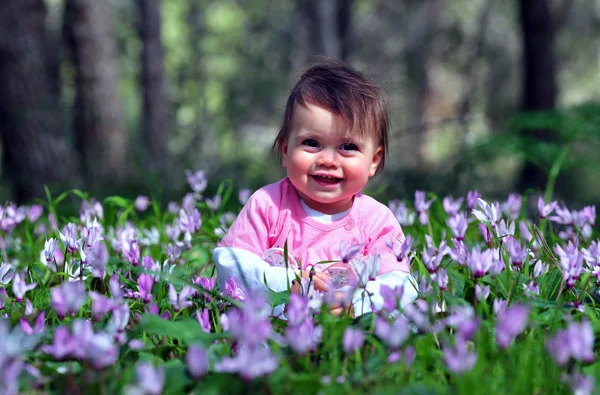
122, 299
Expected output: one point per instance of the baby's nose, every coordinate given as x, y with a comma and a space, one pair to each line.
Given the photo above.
327, 158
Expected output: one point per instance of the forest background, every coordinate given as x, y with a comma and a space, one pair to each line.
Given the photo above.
122, 96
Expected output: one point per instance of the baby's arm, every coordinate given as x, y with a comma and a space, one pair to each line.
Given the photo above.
249, 270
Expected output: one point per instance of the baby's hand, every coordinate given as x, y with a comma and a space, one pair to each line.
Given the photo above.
319, 280
338, 307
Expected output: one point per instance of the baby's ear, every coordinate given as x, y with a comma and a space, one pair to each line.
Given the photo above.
376, 160
283, 147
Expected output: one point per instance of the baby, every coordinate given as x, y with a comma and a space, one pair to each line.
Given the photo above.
333, 138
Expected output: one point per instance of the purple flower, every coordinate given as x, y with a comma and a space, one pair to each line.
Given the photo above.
180, 301
304, 337
101, 305
98, 259
250, 325
141, 203
480, 262
482, 293
115, 286
7, 272
145, 283
571, 262
152, 308
28, 307
34, 212
196, 180
249, 362
353, 340
545, 209
244, 195
3, 297
503, 230
512, 206
511, 323
499, 306
207, 283
39, 324
131, 251
68, 298
392, 333
91, 235
204, 320
214, 203
441, 278
458, 358
197, 361
404, 215
403, 250
49, 248
69, 237
90, 209
391, 297
232, 290
451, 205
422, 207
11, 370
190, 222
458, 225
472, 197
366, 269
539, 268
296, 311
407, 357
563, 216
119, 319
101, 351
576, 342
518, 254
486, 234
349, 252
150, 379
19, 287
63, 344
580, 384
531, 289
488, 213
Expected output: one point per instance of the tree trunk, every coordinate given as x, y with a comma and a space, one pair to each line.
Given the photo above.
31, 125
539, 74
156, 125
99, 121
328, 23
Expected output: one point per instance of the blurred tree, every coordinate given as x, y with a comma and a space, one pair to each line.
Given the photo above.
155, 125
539, 74
35, 150
328, 23
100, 130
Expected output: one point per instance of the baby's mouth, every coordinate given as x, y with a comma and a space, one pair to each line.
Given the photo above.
327, 179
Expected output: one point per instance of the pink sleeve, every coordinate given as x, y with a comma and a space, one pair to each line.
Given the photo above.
382, 226
250, 230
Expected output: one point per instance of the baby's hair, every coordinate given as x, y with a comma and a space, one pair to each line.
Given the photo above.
346, 92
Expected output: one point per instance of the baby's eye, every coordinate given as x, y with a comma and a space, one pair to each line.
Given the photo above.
349, 147
311, 143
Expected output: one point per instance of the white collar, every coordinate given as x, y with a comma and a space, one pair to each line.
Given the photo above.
322, 217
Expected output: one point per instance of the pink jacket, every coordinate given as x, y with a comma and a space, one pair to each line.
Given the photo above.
274, 213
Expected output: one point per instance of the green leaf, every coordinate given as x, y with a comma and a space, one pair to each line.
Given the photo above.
278, 298
118, 201
186, 329
176, 377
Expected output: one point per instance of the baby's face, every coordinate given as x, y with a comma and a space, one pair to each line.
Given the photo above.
325, 163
